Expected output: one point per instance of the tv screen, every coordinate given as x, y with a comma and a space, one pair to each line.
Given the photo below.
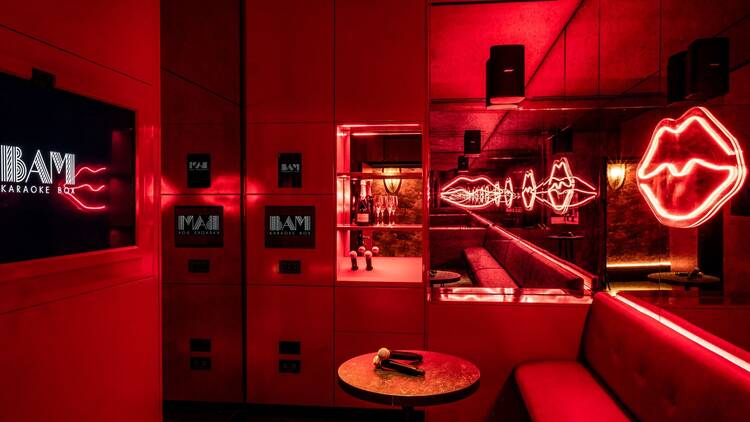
67, 172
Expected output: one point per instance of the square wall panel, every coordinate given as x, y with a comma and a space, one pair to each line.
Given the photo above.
195, 249
275, 150
191, 30
289, 69
290, 239
202, 331
298, 316
381, 60
380, 309
200, 123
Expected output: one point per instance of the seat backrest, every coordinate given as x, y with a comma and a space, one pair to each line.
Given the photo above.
544, 274
517, 262
658, 373
498, 248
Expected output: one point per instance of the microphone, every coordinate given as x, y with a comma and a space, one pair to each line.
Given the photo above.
353, 256
368, 260
395, 366
375, 250
385, 353
361, 250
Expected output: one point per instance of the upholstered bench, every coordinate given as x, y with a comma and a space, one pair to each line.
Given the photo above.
504, 262
634, 367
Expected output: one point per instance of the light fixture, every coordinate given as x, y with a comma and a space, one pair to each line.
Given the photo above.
615, 174
392, 185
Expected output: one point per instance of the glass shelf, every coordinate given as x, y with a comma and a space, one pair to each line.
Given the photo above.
379, 176
384, 228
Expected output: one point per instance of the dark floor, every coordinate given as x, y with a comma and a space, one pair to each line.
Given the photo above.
202, 412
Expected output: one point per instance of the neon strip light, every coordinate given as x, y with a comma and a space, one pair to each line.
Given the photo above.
70, 191
476, 192
481, 192
735, 173
638, 264
528, 190
688, 334
587, 278
508, 194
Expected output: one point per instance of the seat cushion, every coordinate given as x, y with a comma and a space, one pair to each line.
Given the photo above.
498, 249
565, 391
494, 277
658, 373
479, 258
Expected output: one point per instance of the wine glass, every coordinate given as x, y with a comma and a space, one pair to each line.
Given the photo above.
380, 206
392, 204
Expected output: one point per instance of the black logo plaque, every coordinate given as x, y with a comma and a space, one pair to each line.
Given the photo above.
199, 170
198, 227
290, 170
290, 227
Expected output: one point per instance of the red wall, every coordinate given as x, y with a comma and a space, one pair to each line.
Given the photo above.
80, 333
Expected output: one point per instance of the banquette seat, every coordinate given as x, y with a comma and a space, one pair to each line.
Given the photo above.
633, 367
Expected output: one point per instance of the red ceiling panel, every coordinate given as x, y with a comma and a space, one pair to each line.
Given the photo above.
461, 36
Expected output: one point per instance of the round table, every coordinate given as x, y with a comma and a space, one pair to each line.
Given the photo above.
565, 245
447, 379
683, 280
441, 277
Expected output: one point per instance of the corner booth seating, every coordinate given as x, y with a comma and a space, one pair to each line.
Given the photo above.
632, 366
503, 261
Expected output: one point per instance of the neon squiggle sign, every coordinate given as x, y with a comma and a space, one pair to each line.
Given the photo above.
561, 191
692, 166
70, 192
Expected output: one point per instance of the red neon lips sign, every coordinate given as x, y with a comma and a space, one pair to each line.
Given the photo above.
692, 166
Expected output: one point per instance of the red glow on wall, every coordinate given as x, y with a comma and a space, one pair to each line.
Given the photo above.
71, 192
561, 191
692, 166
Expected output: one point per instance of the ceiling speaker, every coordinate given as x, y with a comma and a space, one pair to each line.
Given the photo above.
707, 72
472, 142
463, 164
505, 76
562, 141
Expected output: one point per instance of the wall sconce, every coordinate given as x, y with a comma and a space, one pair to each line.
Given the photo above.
615, 175
392, 186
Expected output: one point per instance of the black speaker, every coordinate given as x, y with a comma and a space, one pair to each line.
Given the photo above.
676, 67
505, 75
472, 142
707, 71
562, 141
463, 164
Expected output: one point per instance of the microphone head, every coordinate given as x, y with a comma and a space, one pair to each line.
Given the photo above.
353, 254
375, 250
368, 254
384, 353
361, 249
376, 361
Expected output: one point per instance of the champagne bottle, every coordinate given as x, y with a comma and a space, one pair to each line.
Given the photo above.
363, 206
370, 201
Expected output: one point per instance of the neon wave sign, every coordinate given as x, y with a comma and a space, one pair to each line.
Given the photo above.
561, 191
692, 166
76, 198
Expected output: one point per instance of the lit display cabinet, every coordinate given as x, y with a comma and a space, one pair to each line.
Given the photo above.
381, 203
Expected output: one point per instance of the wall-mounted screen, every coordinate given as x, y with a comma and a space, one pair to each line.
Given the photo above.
67, 172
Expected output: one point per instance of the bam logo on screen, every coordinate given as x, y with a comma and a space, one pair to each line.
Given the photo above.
16, 176
199, 170
290, 170
199, 227
290, 227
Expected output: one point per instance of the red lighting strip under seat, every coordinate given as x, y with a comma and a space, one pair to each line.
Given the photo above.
687, 334
587, 279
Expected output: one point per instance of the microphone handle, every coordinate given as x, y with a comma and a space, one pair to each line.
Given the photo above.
414, 357
400, 367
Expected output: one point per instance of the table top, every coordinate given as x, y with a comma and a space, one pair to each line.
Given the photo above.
447, 379
442, 276
562, 237
673, 277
